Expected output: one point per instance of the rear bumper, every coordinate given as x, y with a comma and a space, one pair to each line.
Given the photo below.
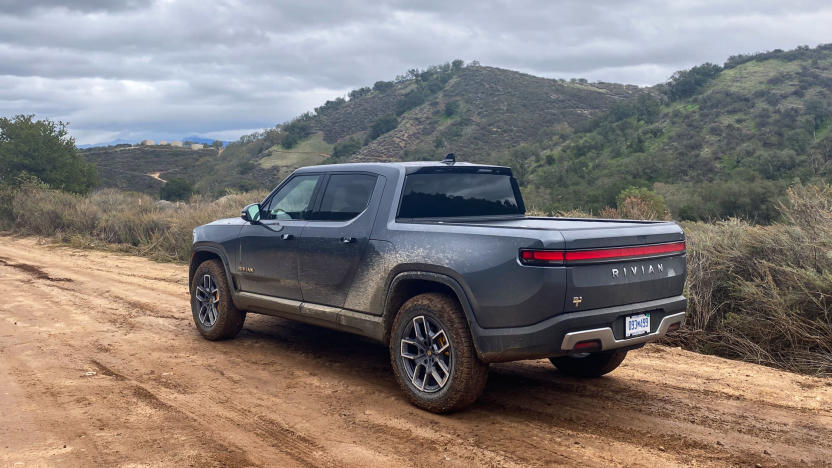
558, 335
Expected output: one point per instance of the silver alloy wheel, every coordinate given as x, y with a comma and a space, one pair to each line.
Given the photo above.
208, 296
426, 354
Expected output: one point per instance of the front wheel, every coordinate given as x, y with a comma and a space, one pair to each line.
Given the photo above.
433, 355
214, 313
590, 365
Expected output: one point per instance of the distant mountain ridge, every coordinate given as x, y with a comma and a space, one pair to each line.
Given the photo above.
121, 141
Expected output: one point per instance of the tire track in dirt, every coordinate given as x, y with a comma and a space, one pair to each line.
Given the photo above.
106, 369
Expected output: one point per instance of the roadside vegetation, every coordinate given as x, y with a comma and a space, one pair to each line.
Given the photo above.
741, 153
757, 293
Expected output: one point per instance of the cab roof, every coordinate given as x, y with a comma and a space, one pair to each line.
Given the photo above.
399, 166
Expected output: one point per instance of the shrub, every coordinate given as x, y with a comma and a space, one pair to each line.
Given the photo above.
451, 107
641, 203
346, 149
764, 293
118, 220
176, 190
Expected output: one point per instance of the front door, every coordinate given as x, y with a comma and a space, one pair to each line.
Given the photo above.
269, 250
335, 238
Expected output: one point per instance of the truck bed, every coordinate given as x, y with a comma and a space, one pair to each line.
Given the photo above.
583, 233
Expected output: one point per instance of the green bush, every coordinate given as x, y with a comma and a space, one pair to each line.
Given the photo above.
346, 149
452, 107
176, 190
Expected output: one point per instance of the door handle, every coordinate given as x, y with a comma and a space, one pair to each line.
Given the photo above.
348, 240
287, 237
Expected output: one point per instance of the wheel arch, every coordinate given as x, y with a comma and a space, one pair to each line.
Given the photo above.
207, 252
408, 284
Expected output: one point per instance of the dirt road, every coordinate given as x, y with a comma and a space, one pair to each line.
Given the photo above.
100, 364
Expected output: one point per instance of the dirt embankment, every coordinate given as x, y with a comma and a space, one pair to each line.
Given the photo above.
100, 365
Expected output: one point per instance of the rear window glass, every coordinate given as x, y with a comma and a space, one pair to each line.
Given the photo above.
345, 197
448, 195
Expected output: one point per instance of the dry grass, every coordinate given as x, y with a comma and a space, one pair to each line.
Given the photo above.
122, 221
758, 293
764, 293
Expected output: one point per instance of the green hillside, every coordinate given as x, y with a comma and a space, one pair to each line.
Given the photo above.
480, 113
714, 141
145, 168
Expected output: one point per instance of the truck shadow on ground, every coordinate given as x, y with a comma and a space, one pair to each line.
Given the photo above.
522, 384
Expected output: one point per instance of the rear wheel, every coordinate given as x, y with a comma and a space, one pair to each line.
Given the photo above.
591, 364
214, 313
433, 356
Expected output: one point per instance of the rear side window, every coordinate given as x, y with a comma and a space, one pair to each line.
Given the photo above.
449, 195
345, 197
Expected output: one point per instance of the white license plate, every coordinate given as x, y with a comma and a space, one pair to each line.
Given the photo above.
636, 325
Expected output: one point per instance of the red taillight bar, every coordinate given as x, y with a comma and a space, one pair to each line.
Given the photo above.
542, 255
618, 252
560, 256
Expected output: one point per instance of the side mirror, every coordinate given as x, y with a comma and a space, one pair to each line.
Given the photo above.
251, 213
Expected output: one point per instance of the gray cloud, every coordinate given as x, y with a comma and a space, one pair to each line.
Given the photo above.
166, 69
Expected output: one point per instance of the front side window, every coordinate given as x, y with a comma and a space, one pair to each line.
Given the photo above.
292, 201
345, 197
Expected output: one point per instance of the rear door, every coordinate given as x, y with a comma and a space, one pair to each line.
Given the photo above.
269, 250
335, 238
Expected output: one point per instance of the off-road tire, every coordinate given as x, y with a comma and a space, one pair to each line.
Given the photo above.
229, 320
594, 365
467, 376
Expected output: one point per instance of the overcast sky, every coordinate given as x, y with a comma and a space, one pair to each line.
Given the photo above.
166, 69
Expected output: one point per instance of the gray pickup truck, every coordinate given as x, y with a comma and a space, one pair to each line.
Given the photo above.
438, 261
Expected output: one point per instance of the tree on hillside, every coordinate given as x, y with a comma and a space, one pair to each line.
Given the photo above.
382, 126
685, 83
43, 148
382, 86
296, 131
519, 159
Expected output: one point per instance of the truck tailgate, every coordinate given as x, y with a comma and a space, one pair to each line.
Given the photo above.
613, 277
610, 275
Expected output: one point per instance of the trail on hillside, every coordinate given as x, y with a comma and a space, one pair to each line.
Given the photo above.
100, 364
155, 175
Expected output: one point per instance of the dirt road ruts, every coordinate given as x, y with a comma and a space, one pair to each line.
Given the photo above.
100, 364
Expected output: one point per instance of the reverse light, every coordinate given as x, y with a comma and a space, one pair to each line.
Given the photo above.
560, 257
